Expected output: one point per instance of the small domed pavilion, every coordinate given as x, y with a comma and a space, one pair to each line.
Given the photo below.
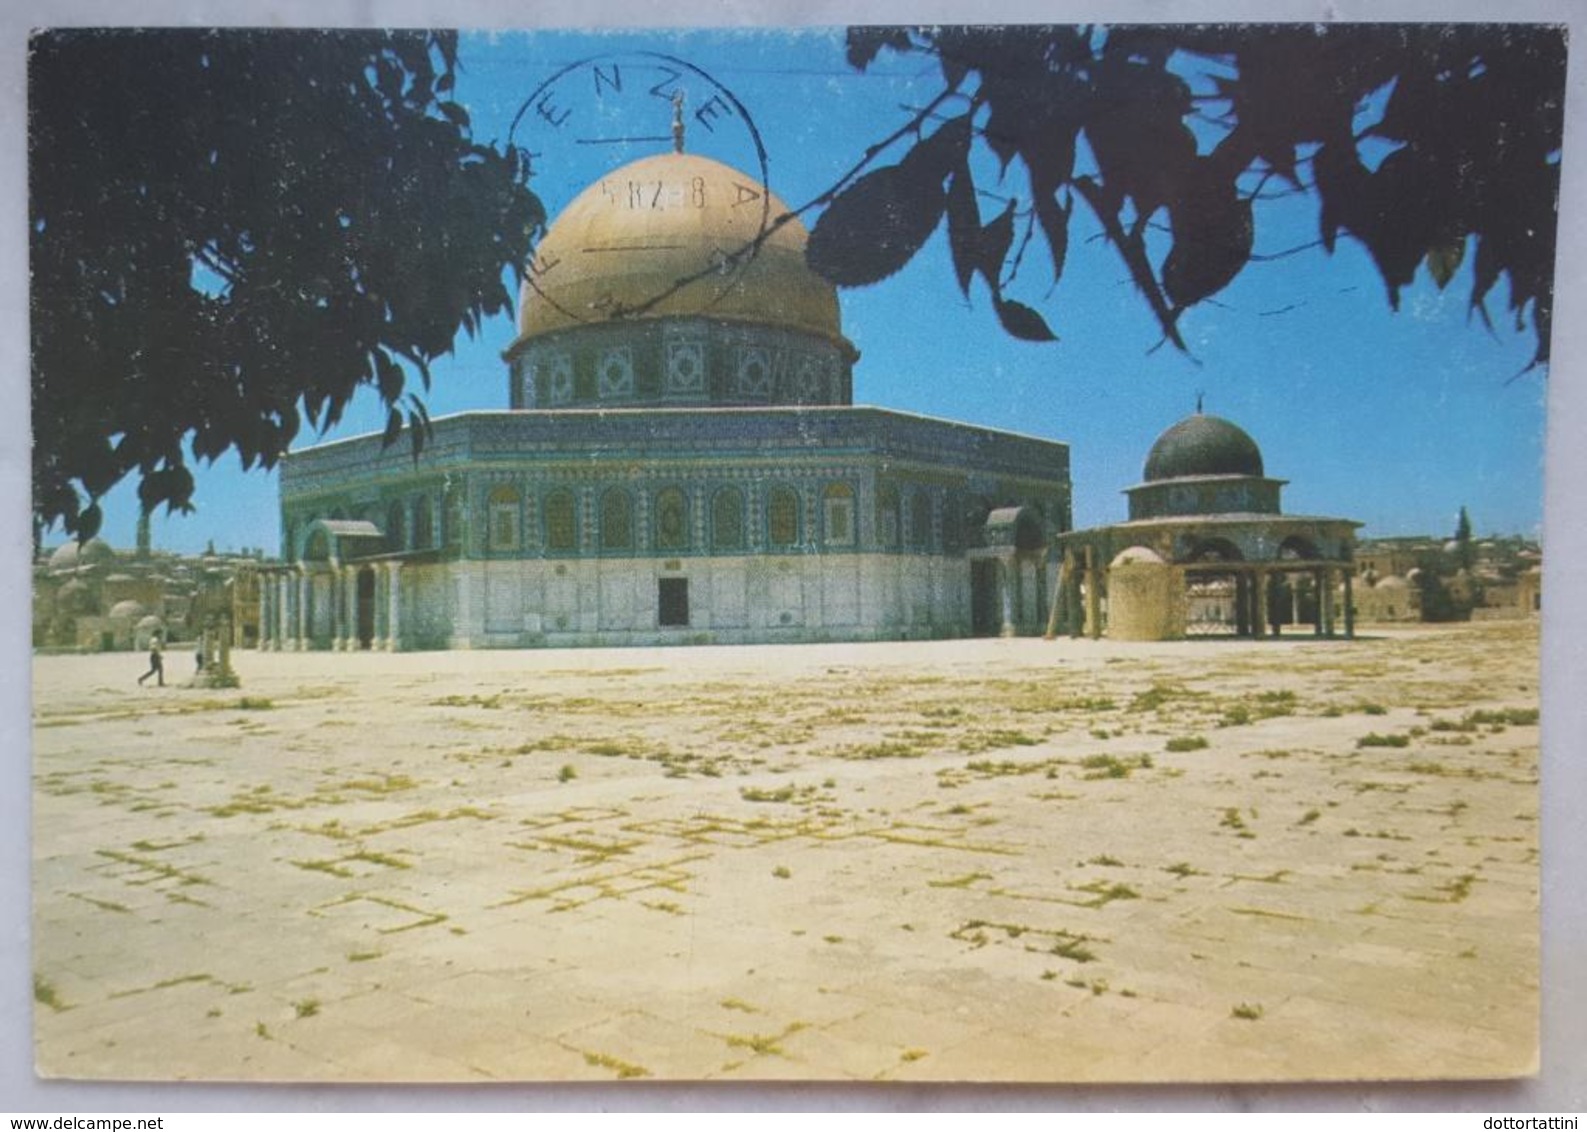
1206, 550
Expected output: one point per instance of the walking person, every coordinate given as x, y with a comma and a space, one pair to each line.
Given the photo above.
156, 663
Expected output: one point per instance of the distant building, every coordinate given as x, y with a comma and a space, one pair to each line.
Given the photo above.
681, 461
1421, 578
1207, 551
87, 597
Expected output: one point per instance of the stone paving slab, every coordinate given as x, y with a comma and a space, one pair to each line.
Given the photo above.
983, 860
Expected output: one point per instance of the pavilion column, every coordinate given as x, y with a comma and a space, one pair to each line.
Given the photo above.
1005, 590
1350, 608
394, 609
1325, 612
350, 608
279, 638
263, 644
1322, 579
1093, 596
286, 593
1259, 606
1055, 610
377, 615
304, 626
338, 592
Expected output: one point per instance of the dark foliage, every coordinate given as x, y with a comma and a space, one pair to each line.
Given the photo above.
230, 232
1472, 119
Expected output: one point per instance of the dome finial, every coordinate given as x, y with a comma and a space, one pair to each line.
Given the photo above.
677, 120
1199, 395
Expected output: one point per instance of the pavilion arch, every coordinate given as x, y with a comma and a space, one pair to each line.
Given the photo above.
1298, 547
1214, 550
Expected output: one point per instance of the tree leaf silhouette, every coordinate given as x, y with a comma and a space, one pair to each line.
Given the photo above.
1022, 322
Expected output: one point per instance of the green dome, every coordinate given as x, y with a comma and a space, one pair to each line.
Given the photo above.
1203, 446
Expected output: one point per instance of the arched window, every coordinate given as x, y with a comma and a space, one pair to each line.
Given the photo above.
562, 533
782, 517
727, 519
423, 524
920, 519
504, 512
672, 519
887, 516
617, 520
837, 514
396, 527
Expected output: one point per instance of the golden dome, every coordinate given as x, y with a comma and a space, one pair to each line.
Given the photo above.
656, 239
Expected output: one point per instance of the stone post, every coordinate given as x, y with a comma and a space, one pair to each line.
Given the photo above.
1259, 607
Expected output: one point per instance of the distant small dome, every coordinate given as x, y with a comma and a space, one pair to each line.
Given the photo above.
1203, 445
1392, 582
151, 623
119, 578
94, 552
127, 610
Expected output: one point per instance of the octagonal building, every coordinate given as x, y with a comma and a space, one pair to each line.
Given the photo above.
680, 461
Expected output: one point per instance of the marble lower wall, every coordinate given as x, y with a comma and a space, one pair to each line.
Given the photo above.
742, 600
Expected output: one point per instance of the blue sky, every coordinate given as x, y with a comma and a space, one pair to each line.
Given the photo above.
1394, 420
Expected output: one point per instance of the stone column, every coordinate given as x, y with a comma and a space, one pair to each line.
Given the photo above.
1259, 607
338, 591
1005, 592
1055, 611
1093, 596
305, 626
394, 609
1350, 608
1322, 579
262, 644
377, 639
278, 638
1326, 610
350, 607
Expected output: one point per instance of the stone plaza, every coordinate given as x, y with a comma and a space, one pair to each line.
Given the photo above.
994, 860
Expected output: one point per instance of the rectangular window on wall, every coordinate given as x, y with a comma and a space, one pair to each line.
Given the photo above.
673, 600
